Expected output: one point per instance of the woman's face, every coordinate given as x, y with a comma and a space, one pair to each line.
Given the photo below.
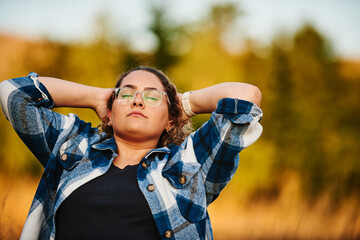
137, 121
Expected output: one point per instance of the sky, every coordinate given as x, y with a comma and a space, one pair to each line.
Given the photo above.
74, 20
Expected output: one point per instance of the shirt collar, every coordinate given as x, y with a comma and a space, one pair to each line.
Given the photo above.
158, 150
110, 144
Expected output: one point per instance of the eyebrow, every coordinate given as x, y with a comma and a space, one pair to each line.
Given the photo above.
135, 87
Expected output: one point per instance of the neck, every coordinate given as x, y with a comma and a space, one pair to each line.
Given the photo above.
131, 153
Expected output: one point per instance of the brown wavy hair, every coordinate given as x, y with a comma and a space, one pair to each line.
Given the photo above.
181, 126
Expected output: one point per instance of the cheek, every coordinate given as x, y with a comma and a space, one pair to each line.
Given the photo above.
162, 118
165, 114
116, 112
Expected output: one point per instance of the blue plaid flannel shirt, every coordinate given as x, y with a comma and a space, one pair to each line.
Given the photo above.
187, 178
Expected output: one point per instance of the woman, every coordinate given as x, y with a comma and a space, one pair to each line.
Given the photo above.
143, 177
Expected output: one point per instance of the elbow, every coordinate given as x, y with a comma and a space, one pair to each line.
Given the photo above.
246, 92
256, 96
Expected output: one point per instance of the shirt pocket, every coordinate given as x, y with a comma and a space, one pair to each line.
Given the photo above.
189, 188
71, 152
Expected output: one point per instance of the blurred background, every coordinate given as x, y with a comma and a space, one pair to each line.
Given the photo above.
300, 180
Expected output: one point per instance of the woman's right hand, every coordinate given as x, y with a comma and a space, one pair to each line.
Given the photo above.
101, 104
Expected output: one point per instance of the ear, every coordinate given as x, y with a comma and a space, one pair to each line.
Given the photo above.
109, 117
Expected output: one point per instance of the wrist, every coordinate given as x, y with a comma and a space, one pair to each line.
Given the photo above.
185, 100
94, 97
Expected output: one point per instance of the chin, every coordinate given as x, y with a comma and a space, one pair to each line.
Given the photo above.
140, 132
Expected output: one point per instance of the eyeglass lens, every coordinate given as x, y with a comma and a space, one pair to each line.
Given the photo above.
151, 97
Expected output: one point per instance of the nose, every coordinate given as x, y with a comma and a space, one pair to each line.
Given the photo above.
138, 101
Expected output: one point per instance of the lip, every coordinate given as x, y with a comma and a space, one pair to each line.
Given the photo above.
136, 114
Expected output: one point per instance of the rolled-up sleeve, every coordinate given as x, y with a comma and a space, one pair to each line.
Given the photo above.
217, 144
26, 103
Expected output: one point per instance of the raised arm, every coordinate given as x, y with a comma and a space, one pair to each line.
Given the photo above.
205, 100
27, 102
233, 126
70, 94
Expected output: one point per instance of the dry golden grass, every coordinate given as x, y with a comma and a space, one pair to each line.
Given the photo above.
16, 195
286, 218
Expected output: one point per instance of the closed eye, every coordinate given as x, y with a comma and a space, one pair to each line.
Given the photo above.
152, 99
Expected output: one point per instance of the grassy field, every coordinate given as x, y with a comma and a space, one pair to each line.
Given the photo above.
232, 218
287, 217
15, 198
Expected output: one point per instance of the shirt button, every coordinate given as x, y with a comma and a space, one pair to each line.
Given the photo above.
151, 187
144, 165
168, 234
63, 157
182, 179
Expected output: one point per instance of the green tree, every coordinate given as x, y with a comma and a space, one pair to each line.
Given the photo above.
167, 35
307, 120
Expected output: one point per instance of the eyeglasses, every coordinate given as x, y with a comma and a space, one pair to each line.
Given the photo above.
151, 97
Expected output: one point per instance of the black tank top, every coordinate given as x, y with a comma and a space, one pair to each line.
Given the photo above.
108, 207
